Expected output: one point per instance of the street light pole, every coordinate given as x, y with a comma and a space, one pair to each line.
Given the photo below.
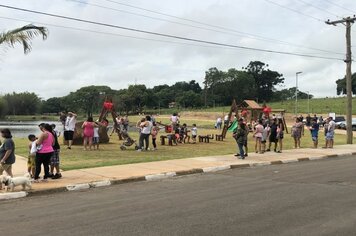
308, 103
296, 92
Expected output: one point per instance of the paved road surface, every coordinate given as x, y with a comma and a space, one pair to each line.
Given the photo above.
311, 198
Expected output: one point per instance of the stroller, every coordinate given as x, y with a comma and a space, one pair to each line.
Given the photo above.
128, 141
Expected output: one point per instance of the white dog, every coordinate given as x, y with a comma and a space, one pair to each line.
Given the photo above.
13, 182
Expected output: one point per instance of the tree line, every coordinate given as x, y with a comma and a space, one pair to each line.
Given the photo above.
256, 82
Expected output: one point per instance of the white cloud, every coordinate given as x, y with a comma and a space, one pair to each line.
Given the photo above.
71, 59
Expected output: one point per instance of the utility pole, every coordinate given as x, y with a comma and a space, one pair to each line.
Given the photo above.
348, 21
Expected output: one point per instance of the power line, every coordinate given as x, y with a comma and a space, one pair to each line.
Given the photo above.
342, 7
319, 8
108, 33
166, 35
115, 34
294, 10
239, 33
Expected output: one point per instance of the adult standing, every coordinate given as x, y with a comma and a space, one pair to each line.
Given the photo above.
273, 135
88, 133
258, 136
218, 123
174, 120
226, 120
297, 132
55, 157
45, 151
69, 128
330, 133
240, 135
146, 128
7, 153
280, 134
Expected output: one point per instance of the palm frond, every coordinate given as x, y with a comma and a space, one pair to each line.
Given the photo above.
24, 36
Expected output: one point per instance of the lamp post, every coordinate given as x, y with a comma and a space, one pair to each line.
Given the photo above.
296, 92
308, 103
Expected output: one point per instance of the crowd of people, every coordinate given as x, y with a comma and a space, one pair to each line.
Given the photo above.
148, 127
268, 134
271, 130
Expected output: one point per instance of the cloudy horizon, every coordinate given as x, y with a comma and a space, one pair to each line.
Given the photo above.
70, 59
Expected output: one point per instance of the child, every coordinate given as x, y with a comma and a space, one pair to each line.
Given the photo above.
177, 132
185, 132
314, 130
154, 134
96, 137
265, 134
194, 133
31, 167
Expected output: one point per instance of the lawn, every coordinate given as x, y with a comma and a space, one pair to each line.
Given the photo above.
110, 154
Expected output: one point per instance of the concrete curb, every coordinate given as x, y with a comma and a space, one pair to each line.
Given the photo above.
160, 176
12, 195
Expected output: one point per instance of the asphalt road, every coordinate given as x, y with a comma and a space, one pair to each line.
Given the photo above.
309, 198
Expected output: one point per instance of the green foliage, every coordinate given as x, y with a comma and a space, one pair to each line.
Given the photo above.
341, 85
23, 35
22, 103
265, 79
288, 94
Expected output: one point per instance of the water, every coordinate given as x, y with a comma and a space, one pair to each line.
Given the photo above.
21, 129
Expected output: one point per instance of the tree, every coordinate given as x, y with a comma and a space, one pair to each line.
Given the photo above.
88, 99
22, 103
265, 79
288, 94
212, 77
23, 35
52, 105
341, 85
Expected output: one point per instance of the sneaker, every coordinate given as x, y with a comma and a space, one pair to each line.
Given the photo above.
50, 175
237, 155
57, 176
268, 150
69, 148
139, 150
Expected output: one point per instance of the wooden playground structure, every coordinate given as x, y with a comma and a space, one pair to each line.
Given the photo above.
250, 111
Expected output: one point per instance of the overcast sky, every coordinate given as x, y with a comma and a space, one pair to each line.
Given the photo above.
70, 59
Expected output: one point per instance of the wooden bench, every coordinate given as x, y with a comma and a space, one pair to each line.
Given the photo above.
219, 137
171, 139
205, 138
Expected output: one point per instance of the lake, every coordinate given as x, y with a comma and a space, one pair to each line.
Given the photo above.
21, 129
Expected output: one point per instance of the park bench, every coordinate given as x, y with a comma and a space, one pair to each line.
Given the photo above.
171, 139
205, 138
219, 137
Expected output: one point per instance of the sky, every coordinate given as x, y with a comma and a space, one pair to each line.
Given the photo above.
96, 55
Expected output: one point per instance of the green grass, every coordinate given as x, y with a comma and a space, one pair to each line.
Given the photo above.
110, 154
316, 105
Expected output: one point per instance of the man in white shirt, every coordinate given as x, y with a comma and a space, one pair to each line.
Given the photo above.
69, 127
330, 133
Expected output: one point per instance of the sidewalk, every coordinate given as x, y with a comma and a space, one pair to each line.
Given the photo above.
103, 176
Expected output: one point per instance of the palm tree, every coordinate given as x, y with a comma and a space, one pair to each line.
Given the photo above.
23, 36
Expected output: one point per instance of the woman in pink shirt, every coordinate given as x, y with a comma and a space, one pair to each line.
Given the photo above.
258, 136
88, 133
44, 151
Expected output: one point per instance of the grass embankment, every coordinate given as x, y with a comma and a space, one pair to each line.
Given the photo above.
316, 105
110, 154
